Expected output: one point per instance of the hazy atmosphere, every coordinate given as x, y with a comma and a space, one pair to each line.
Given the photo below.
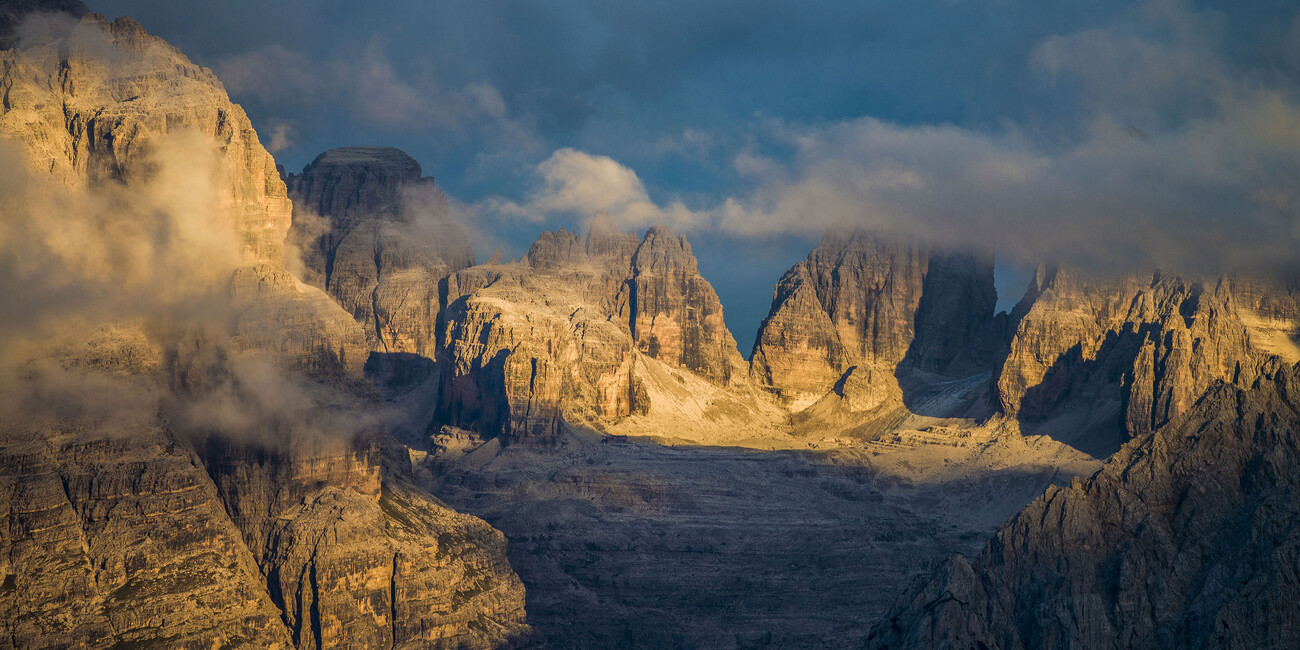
1107, 133
516, 325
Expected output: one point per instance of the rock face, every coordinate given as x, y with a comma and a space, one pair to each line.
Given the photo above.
564, 334
1186, 538
116, 534
405, 570
1123, 357
78, 124
866, 320
674, 314
864, 300
208, 479
387, 242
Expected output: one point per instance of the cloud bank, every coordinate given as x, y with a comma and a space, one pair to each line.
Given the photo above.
1180, 159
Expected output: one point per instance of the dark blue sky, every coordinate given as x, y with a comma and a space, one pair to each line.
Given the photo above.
761, 101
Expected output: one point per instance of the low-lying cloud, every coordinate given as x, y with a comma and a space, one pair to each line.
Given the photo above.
116, 303
152, 248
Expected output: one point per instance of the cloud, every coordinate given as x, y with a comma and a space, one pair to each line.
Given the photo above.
253, 400
579, 184
366, 82
690, 144
157, 245
280, 135
115, 308
116, 305
1180, 160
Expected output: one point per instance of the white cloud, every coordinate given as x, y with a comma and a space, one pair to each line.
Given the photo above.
578, 183
280, 136
1182, 161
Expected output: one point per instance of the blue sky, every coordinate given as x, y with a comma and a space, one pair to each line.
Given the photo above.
1110, 134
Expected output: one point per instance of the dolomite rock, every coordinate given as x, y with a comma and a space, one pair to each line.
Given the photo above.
115, 534
276, 312
527, 350
1186, 538
388, 241
414, 573
862, 300
605, 241
126, 524
1130, 354
86, 108
565, 335
405, 571
674, 313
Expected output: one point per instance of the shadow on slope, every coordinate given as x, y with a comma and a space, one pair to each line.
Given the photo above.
632, 544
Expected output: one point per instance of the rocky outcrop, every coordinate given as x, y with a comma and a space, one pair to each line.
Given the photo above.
205, 473
115, 534
527, 352
562, 336
859, 299
1185, 538
387, 240
277, 312
105, 104
1122, 356
606, 241
405, 570
673, 312
89, 119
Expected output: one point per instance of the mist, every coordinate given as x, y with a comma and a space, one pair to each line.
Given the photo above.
117, 305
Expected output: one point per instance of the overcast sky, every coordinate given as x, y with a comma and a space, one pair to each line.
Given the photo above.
1098, 133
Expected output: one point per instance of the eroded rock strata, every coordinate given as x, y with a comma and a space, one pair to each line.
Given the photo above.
1186, 538
566, 334
203, 477
387, 240
863, 300
1118, 358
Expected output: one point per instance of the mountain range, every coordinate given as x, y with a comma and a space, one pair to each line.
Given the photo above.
252, 408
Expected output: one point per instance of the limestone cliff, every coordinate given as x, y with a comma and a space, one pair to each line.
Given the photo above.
1121, 357
115, 534
387, 241
205, 475
863, 300
1185, 538
566, 334
673, 312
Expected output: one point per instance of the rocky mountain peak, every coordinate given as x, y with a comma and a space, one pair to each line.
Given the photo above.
387, 240
556, 248
175, 525
866, 299
1183, 539
661, 251
351, 184
604, 239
